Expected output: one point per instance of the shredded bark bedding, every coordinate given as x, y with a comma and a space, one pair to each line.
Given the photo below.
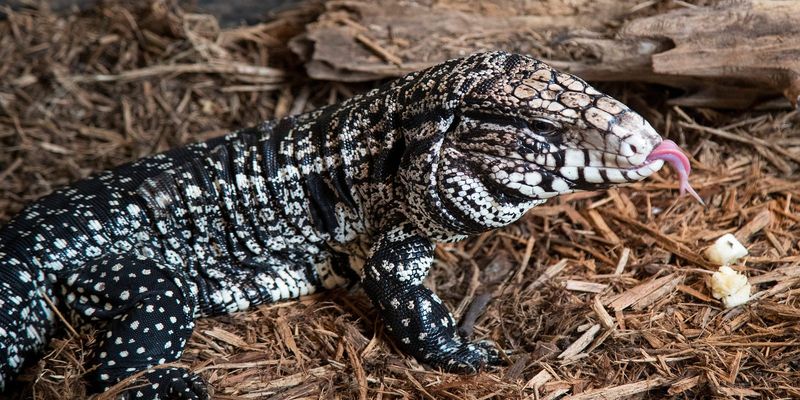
594, 295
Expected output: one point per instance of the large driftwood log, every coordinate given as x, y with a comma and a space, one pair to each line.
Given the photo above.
732, 54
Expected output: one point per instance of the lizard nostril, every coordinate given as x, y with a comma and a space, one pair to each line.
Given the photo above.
634, 148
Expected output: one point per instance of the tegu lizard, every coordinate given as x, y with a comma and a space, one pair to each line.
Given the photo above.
354, 192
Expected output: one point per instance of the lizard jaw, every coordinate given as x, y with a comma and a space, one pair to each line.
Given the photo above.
541, 176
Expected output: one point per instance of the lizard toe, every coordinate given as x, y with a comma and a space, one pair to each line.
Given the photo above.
169, 384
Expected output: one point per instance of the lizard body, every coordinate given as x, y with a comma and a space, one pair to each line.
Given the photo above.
354, 192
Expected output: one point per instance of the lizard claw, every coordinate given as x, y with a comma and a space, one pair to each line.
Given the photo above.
169, 383
469, 358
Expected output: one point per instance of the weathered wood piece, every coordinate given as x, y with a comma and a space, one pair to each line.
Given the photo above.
732, 54
729, 55
351, 40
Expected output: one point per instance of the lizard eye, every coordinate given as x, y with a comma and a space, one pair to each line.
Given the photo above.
544, 126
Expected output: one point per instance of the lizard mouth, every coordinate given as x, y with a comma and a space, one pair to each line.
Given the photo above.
541, 181
565, 176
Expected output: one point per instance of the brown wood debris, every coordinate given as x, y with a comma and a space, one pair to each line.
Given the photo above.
727, 54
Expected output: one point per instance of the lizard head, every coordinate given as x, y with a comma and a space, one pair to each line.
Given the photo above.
519, 132
516, 132
536, 133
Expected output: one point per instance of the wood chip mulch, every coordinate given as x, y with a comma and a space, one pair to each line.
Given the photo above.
594, 295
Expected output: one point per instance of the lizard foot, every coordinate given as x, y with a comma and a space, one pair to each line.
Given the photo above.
169, 383
468, 357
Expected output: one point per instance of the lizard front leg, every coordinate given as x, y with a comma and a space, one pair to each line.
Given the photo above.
415, 317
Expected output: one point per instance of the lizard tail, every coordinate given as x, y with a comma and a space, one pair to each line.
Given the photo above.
25, 317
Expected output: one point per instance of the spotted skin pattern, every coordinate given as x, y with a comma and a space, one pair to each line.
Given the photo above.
359, 191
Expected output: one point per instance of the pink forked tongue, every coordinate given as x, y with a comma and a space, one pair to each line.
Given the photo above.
670, 153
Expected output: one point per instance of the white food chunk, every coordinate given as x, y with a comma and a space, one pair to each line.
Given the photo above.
726, 250
730, 286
